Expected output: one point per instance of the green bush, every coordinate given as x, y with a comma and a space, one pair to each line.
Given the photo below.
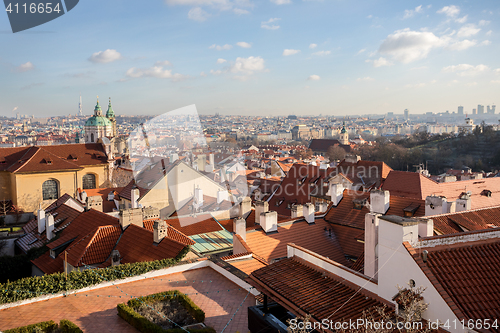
67, 326
54, 283
127, 312
45, 326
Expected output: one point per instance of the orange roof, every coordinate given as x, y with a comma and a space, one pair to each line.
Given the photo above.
247, 266
310, 236
467, 221
107, 206
194, 225
172, 233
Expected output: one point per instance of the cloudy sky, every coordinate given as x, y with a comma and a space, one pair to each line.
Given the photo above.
267, 57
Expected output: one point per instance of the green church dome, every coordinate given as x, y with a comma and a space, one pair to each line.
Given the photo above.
98, 121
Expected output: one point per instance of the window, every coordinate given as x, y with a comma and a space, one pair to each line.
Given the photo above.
88, 181
50, 190
91, 137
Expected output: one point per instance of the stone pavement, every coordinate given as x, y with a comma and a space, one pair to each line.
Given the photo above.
95, 311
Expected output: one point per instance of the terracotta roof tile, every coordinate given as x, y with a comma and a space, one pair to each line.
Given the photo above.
467, 221
190, 225
247, 266
107, 206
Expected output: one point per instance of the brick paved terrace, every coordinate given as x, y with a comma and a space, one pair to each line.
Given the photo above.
95, 311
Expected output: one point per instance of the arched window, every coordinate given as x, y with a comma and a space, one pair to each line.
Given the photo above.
50, 190
88, 181
91, 137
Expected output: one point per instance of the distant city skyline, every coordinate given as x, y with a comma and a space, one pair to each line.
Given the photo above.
243, 57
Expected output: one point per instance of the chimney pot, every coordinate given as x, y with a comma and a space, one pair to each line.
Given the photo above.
160, 230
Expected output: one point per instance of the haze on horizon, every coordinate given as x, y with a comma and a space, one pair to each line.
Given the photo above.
245, 57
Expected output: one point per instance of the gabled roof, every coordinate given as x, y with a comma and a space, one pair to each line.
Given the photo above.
467, 221
49, 158
465, 275
307, 289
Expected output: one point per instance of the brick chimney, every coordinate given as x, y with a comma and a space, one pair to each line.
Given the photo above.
269, 221
379, 201
309, 212
240, 227
260, 207
297, 211
160, 230
49, 226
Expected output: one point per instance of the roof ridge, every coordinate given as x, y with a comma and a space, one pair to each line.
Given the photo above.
29, 159
58, 157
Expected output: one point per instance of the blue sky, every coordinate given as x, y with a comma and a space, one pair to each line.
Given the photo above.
250, 57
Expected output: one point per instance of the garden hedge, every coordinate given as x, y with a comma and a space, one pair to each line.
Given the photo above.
65, 326
127, 312
35, 286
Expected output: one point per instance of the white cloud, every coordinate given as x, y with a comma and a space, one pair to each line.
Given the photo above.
203, 74
220, 48
450, 11
461, 19
322, 53
105, 56
489, 33
482, 23
248, 66
28, 66
244, 45
163, 63
461, 45
365, 79
313, 77
221, 61
267, 25
369, 16
485, 43
407, 45
416, 85
410, 12
240, 11
497, 71
217, 72
198, 14
156, 71
465, 69
495, 81
313, 46
468, 30
360, 51
281, 2
289, 52
471, 84
380, 62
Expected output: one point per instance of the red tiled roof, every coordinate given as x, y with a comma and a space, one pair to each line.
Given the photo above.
136, 244
310, 236
468, 220
190, 225
34, 158
305, 289
247, 266
107, 206
172, 233
466, 276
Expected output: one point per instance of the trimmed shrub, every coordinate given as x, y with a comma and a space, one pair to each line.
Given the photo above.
45, 326
67, 326
34, 286
128, 313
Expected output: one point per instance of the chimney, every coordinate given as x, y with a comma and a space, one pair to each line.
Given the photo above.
245, 206
426, 228
309, 212
260, 207
94, 202
160, 229
198, 197
41, 220
371, 242
173, 158
211, 160
336, 192
323, 206
221, 196
130, 216
297, 211
435, 205
269, 221
201, 161
49, 226
149, 213
83, 197
379, 201
111, 196
240, 227
115, 258
134, 196
464, 203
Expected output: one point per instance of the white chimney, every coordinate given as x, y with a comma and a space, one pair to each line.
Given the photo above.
245, 207
160, 230
435, 205
240, 227
309, 212
323, 206
111, 196
297, 211
221, 196
260, 207
173, 158
211, 160
41, 220
198, 197
336, 192
464, 203
83, 197
269, 221
371, 241
379, 201
49, 226
134, 196
426, 228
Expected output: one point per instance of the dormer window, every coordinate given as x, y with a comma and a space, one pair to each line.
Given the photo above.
411, 209
486, 193
359, 203
279, 202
